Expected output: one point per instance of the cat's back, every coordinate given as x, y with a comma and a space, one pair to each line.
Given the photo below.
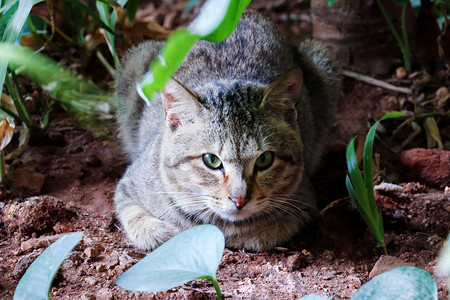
256, 51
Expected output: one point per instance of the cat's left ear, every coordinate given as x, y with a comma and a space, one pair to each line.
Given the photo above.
181, 105
281, 97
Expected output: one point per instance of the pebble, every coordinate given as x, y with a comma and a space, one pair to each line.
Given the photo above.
40, 242
400, 73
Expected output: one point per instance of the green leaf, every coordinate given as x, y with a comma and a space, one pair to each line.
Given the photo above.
79, 5
12, 31
37, 280
313, 297
216, 20
132, 7
80, 97
194, 253
408, 283
331, 2
361, 189
443, 265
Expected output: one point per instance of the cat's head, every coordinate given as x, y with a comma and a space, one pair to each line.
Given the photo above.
233, 150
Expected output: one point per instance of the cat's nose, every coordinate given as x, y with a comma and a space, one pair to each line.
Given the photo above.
239, 202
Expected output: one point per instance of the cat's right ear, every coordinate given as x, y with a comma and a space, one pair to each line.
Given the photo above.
180, 104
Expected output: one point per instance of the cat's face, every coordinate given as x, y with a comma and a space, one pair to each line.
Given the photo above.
235, 161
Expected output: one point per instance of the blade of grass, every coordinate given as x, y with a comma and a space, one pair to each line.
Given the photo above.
12, 31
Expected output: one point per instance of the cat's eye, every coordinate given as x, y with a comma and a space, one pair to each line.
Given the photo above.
264, 161
212, 161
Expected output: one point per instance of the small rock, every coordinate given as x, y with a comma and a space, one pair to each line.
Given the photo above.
293, 262
36, 243
101, 267
400, 73
126, 261
23, 263
386, 263
442, 92
390, 188
104, 294
329, 255
94, 251
88, 296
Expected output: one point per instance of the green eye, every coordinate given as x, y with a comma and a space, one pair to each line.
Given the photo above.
264, 161
212, 161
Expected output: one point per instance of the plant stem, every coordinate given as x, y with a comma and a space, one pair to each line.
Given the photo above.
404, 46
406, 52
217, 287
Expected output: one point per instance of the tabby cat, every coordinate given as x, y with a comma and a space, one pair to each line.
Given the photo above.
230, 141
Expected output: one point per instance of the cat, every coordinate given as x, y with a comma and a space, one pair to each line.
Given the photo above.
230, 141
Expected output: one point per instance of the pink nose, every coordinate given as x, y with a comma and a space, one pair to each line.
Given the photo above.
240, 202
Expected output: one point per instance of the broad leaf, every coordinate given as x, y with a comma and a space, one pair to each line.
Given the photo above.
408, 283
443, 266
37, 280
194, 253
314, 297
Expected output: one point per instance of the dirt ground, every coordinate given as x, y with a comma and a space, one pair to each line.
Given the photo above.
65, 181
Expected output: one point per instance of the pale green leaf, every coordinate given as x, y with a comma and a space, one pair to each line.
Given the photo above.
194, 253
37, 280
402, 283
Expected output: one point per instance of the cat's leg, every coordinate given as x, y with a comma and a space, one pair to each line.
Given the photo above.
143, 229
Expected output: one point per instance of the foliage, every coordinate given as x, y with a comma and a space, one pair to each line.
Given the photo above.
216, 21
408, 283
192, 254
37, 280
443, 265
400, 283
361, 189
80, 97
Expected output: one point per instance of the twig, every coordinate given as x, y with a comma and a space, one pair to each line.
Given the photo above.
376, 82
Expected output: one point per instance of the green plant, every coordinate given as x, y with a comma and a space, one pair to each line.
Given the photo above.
80, 97
215, 22
408, 283
443, 265
192, 254
37, 280
361, 189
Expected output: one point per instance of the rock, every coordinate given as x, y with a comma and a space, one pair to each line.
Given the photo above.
94, 251
26, 178
36, 243
104, 294
386, 263
23, 263
430, 166
400, 73
293, 262
35, 214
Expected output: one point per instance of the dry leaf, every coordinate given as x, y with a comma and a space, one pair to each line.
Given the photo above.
432, 132
6, 133
8, 103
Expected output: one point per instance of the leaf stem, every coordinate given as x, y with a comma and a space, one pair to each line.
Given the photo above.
217, 287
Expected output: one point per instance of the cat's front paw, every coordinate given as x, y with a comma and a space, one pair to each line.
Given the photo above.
145, 231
